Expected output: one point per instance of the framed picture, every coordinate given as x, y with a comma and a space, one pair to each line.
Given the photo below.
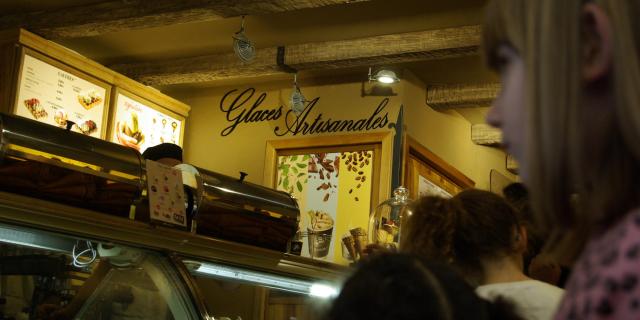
139, 123
498, 181
54, 93
427, 174
338, 181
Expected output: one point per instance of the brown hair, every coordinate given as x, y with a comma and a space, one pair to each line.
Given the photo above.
471, 227
398, 287
575, 190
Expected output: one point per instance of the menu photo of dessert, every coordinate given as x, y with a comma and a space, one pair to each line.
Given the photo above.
139, 126
89, 99
35, 108
128, 131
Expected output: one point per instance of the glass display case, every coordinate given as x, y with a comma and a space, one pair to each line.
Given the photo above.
62, 262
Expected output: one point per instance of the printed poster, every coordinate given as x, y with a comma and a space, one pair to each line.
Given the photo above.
51, 95
333, 191
428, 188
140, 126
166, 194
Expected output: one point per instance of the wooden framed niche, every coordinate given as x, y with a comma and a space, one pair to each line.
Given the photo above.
341, 178
424, 173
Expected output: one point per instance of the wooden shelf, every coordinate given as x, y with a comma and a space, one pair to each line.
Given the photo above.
81, 223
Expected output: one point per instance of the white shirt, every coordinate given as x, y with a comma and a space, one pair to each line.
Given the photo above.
533, 299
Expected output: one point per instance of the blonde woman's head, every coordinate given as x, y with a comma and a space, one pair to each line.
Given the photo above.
570, 108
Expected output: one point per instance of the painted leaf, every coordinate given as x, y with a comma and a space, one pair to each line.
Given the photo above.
301, 165
299, 185
285, 183
301, 174
305, 157
294, 158
295, 170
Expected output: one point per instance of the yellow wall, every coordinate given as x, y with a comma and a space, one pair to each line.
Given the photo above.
447, 134
244, 148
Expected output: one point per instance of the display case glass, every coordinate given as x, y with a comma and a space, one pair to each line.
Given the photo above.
51, 276
242, 293
62, 262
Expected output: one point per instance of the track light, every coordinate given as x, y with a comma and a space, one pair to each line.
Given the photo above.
385, 76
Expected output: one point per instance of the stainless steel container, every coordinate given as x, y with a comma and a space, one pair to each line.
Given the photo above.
43, 161
52, 163
233, 209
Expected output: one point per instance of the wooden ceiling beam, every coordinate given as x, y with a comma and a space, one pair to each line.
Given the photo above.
369, 51
486, 135
203, 68
113, 16
385, 49
445, 97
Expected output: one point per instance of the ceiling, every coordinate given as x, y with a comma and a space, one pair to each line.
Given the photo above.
205, 28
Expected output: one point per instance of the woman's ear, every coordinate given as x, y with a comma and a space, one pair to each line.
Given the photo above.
521, 243
597, 43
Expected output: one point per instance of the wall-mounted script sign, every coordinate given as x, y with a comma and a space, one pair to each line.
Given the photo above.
243, 107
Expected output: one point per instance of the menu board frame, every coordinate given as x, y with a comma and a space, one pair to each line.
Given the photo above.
113, 115
24, 51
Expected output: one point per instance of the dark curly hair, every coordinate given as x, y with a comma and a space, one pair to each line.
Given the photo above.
400, 286
463, 231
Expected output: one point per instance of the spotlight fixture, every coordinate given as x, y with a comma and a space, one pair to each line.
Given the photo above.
242, 45
385, 76
296, 100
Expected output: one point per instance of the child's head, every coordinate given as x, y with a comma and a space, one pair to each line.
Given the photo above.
570, 107
166, 153
396, 286
466, 231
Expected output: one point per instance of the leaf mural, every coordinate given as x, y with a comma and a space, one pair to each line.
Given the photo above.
292, 173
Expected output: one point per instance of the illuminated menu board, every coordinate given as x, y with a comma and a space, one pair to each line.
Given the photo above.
54, 96
139, 125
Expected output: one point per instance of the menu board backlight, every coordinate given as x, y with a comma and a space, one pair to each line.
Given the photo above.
140, 126
55, 96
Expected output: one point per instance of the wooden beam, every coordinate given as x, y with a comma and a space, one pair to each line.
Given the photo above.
512, 165
378, 50
485, 135
113, 16
385, 49
444, 97
203, 68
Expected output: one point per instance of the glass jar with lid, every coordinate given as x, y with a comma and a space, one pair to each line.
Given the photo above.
386, 222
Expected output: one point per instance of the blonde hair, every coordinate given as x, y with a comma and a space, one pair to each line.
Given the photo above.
604, 185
